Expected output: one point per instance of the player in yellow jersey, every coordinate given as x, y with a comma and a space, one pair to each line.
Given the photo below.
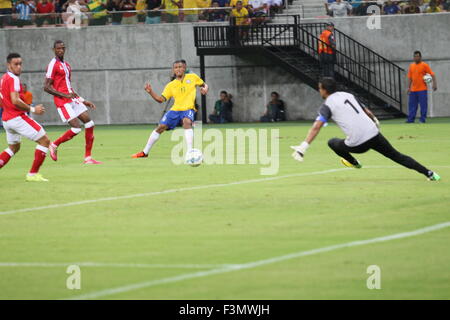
184, 90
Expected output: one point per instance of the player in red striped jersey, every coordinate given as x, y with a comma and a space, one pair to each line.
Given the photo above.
71, 107
17, 123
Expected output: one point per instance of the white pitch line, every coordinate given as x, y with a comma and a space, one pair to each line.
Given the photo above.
111, 265
155, 193
250, 265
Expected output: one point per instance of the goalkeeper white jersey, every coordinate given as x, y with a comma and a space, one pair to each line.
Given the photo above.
349, 115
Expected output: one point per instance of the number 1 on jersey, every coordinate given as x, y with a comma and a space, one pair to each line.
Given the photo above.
351, 104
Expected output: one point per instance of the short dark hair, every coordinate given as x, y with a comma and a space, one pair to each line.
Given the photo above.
224, 92
180, 61
275, 93
57, 42
329, 84
11, 56
418, 52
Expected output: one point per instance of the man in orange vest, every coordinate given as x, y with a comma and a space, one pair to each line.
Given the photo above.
417, 87
326, 51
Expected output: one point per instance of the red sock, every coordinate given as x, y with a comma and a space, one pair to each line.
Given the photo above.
89, 134
69, 134
39, 157
5, 156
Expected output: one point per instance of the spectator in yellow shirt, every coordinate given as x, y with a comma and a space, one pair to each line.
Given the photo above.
240, 14
203, 4
172, 12
141, 5
5, 9
233, 3
190, 15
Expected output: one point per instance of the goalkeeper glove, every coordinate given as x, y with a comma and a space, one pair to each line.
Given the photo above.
300, 150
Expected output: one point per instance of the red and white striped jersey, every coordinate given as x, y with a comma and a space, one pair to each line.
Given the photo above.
10, 83
60, 72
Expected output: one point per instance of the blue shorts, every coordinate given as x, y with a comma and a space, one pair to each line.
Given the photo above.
172, 118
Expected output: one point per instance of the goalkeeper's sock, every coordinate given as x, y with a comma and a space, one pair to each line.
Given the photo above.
151, 140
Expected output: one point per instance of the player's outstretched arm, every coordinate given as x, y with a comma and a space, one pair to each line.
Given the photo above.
48, 87
372, 116
87, 103
299, 151
148, 88
314, 131
19, 103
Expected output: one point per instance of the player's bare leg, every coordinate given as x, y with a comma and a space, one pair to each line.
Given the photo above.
9, 152
39, 157
154, 136
89, 136
188, 133
66, 136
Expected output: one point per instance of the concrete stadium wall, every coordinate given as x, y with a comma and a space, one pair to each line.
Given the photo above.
112, 63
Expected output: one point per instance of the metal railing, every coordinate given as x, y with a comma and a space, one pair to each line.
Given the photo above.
232, 36
346, 65
386, 76
355, 62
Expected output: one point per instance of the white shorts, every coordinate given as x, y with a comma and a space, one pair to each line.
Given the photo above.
71, 110
22, 126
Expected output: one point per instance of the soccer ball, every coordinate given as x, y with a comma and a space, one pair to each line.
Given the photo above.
194, 157
427, 78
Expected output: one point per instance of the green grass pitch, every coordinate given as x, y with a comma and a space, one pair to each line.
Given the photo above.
145, 240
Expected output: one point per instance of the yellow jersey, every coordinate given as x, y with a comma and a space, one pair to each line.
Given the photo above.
5, 4
170, 6
183, 91
204, 3
141, 5
188, 4
241, 16
234, 2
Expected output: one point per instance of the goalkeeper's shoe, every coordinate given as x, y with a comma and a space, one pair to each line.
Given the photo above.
35, 178
434, 177
297, 154
139, 155
351, 165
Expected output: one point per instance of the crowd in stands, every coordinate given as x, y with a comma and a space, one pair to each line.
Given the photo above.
339, 8
243, 12
100, 12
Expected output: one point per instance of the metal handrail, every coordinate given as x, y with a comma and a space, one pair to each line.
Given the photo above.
339, 56
386, 74
322, 26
